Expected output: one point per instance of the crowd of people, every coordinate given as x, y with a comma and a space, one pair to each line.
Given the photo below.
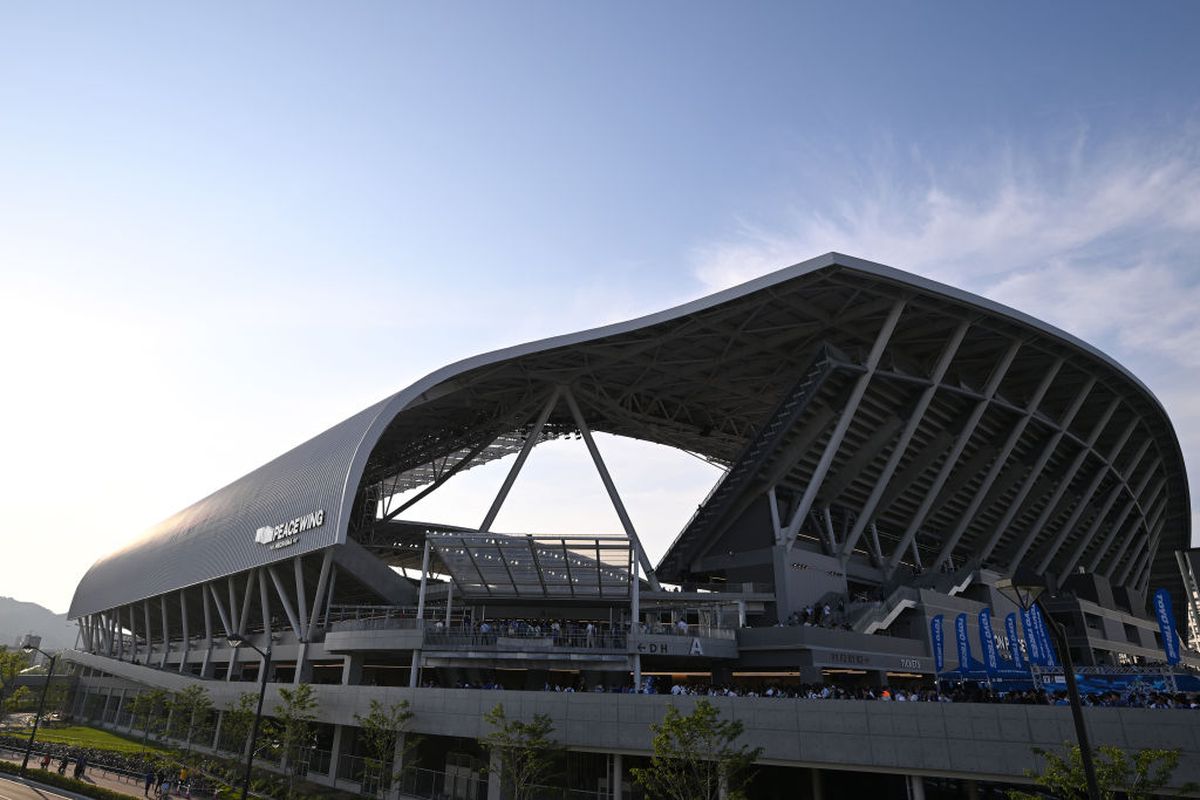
966, 693
560, 632
960, 693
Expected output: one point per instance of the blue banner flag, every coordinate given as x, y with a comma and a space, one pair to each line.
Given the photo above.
1039, 623
1014, 643
964, 644
1031, 638
1166, 625
939, 640
987, 641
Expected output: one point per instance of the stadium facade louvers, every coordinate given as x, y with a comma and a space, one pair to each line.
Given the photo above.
883, 436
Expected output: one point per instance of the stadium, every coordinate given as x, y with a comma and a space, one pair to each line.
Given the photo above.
890, 448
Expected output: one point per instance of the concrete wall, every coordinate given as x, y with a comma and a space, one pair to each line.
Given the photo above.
973, 741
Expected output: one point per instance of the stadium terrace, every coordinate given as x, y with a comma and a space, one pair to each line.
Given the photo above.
890, 449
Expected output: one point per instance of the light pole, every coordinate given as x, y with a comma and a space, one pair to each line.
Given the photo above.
1025, 588
30, 647
235, 640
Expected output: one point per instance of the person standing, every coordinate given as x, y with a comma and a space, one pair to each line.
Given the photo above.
149, 781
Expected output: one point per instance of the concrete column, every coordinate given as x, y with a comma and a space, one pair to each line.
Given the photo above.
972, 790
916, 787
206, 665
216, 740
303, 665
818, 792
351, 670
335, 753
117, 713
397, 766
618, 773
494, 776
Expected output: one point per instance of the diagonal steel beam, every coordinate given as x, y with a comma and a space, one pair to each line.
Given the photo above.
901, 446
1134, 502
843, 424
1113, 495
1064, 483
288, 609
999, 463
1131, 538
1147, 569
960, 444
509, 479
1034, 474
1084, 501
611, 488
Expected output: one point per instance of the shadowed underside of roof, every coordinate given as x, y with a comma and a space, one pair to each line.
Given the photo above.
1062, 460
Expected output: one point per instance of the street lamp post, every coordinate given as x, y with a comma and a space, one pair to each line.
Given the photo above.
29, 647
235, 640
1025, 588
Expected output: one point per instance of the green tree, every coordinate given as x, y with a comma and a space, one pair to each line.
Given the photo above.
1141, 776
149, 707
190, 707
694, 755
21, 699
293, 728
525, 751
382, 730
236, 721
12, 664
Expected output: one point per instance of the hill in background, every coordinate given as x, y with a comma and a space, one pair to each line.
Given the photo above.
18, 618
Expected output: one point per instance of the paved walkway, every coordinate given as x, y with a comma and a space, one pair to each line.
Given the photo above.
97, 776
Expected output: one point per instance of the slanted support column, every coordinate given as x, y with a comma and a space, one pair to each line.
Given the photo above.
866, 514
635, 625
611, 488
133, 656
1085, 500
415, 667
1130, 537
956, 451
149, 630
1113, 495
842, 426
1064, 482
301, 596
1146, 545
916, 787
515, 470
166, 631
183, 616
1031, 479
206, 665
296, 620
1000, 462
314, 622
216, 740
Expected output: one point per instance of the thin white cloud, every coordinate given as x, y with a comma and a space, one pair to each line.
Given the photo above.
1102, 242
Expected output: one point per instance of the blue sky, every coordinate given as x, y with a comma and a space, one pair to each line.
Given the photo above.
224, 227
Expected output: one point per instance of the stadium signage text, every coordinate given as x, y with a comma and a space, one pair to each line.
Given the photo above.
285, 534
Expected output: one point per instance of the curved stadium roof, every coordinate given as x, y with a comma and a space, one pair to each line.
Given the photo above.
977, 432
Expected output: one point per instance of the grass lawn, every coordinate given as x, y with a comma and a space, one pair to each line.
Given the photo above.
84, 736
